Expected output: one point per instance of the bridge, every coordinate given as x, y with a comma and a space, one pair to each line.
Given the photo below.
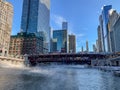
64, 58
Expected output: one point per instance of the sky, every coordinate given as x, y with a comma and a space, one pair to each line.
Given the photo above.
82, 17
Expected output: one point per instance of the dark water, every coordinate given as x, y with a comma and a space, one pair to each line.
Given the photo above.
57, 78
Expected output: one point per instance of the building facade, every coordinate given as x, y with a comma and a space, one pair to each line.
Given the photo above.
105, 16
113, 16
82, 49
87, 46
102, 33
6, 18
65, 25
54, 45
72, 44
61, 36
117, 35
36, 18
94, 48
23, 43
99, 39
97, 46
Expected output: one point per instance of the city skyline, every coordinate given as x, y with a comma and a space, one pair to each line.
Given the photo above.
77, 17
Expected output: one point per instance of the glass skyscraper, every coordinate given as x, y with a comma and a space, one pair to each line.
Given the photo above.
35, 19
105, 16
65, 25
61, 37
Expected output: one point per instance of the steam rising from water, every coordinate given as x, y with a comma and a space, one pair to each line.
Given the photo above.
61, 77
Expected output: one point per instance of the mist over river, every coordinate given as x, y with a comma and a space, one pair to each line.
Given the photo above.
57, 77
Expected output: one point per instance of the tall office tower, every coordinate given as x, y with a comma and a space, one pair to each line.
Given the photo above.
61, 36
99, 39
72, 44
117, 34
113, 16
53, 45
82, 49
94, 48
87, 47
35, 19
65, 25
6, 17
102, 33
97, 46
105, 15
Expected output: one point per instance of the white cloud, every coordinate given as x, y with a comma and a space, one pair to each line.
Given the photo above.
85, 28
80, 35
46, 3
57, 19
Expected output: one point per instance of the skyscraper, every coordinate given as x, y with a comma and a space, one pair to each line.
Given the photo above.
94, 48
99, 39
82, 49
117, 35
61, 36
87, 47
35, 19
97, 46
53, 45
102, 33
72, 44
65, 26
6, 18
105, 16
113, 16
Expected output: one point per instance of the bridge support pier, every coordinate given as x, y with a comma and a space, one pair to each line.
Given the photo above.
26, 61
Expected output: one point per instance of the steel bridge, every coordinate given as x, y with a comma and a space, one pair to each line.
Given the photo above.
64, 58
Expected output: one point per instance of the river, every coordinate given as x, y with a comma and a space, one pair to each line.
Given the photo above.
61, 77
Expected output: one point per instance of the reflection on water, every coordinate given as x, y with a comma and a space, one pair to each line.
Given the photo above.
57, 78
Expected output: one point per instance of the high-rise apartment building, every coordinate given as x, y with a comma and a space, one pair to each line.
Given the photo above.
72, 43
6, 17
35, 19
61, 36
105, 16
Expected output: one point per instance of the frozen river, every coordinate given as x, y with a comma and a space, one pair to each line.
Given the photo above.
61, 77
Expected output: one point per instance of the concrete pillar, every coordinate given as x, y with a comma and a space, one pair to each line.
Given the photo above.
26, 61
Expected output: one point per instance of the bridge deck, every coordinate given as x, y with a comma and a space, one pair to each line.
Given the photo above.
63, 57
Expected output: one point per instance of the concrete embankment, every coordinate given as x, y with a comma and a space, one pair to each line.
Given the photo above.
11, 62
115, 70
109, 65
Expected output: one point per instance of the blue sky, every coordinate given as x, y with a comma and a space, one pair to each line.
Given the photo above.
82, 16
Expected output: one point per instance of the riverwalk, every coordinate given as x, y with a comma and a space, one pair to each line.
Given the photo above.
115, 70
12, 62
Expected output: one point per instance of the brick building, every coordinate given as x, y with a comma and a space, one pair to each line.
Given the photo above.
23, 43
